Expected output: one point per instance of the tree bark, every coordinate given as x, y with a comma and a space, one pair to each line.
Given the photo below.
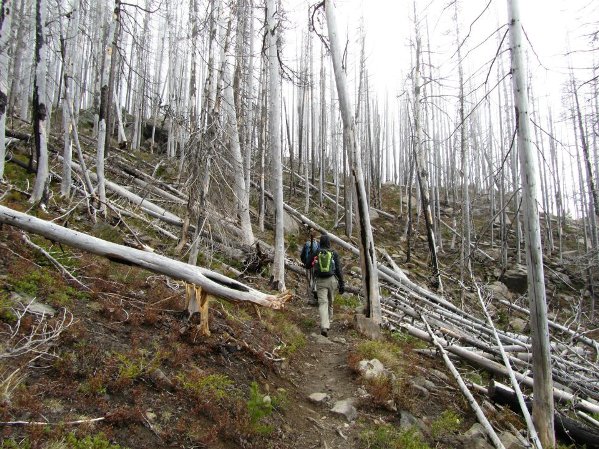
367, 252
465, 266
241, 191
68, 48
274, 128
211, 282
422, 167
6, 14
543, 408
40, 112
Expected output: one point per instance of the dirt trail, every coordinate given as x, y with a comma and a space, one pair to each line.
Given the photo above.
323, 369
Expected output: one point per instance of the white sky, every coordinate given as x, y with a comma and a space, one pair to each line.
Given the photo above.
552, 27
389, 30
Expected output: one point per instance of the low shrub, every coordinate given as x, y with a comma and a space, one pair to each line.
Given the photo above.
259, 407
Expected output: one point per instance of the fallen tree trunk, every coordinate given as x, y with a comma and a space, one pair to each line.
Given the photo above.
576, 336
496, 368
482, 419
567, 428
211, 282
461, 329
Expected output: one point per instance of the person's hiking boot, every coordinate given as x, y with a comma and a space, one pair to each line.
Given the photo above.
324, 333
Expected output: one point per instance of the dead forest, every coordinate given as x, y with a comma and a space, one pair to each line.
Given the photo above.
162, 164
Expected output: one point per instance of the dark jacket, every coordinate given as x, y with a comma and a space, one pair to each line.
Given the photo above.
325, 243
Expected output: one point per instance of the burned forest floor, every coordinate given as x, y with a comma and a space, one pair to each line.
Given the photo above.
99, 354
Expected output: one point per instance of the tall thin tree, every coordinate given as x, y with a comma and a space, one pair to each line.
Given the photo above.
422, 163
367, 251
40, 111
5, 20
274, 128
543, 407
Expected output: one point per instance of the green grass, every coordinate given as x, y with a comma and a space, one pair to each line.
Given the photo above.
9, 443
292, 244
92, 387
6, 308
348, 301
218, 386
405, 338
47, 286
389, 354
447, 423
386, 436
98, 441
18, 176
107, 232
134, 365
308, 323
289, 332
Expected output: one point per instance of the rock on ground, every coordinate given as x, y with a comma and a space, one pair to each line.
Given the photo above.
371, 369
346, 409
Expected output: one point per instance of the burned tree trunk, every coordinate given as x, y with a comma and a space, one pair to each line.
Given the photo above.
40, 111
543, 409
367, 252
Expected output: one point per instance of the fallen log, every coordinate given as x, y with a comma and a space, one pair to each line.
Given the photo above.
211, 282
506, 361
125, 166
443, 319
482, 419
147, 206
332, 200
496, 368
566, 428
576, 336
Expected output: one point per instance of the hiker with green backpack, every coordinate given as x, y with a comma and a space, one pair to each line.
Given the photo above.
309, 251
328, 277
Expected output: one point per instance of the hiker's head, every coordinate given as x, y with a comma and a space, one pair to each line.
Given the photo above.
325, 241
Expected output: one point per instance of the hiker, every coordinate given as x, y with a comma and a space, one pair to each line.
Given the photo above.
328, 276
309, 250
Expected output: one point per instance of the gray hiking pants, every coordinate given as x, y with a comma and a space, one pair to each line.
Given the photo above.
325, 289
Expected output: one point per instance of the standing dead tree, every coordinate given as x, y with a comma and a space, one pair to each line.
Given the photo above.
543, 409
40, 110
422, 164
273, 30
6, 14
367, 252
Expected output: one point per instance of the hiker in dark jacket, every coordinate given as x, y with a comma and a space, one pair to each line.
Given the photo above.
309, 251
328, 276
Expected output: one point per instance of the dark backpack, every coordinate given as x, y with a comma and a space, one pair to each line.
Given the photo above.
308, 252
325, 263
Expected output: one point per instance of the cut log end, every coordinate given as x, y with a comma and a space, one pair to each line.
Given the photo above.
278, 302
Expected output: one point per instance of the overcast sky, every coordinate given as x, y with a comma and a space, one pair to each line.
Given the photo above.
389, 30
552, 28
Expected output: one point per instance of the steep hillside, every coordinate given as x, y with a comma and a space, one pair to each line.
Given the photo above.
100, 354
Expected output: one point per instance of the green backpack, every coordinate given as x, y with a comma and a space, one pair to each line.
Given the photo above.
325, 264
